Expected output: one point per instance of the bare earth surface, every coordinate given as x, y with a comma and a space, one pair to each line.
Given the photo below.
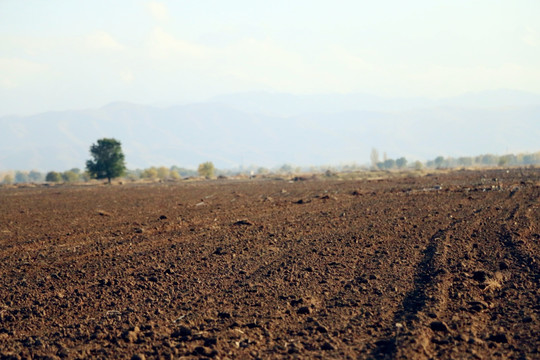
443, 266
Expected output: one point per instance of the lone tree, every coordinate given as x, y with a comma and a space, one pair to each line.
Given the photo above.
108, 160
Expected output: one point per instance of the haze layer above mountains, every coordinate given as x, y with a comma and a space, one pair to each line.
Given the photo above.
273, 129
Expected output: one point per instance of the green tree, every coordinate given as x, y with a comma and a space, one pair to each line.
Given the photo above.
401, 162
35, 176
439, 160
21, 177
108, 162
389, 164
53, 176
206, 169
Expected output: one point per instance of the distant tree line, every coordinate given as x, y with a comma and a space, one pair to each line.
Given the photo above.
485, 160
208, 170
386, 163
162, 173
34, 176
389, 164
441, 162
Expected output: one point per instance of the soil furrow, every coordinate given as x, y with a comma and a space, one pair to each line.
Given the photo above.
417, 326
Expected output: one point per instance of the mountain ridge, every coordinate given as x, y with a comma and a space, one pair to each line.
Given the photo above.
186, 135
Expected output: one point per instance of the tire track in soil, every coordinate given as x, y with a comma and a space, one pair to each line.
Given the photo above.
421, 297
498, 304
519, 237
421, 308
513, 236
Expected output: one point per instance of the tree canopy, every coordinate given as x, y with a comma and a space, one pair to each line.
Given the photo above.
53, 176
108, 160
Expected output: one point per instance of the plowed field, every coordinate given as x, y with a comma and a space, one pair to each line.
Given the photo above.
442, 266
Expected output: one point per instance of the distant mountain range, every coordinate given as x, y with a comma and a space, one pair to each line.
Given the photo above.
291, 105
272, 129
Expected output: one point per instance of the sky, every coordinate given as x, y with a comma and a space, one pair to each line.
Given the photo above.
59, 54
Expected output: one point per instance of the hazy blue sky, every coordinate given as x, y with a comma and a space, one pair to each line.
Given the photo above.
75, 54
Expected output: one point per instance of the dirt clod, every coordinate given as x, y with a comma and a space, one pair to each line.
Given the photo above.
243, 222
304, 310
224, 315
181, 332
480, 276
499, 338
438, 326
327, 346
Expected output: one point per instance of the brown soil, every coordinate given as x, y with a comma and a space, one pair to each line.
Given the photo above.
443, 266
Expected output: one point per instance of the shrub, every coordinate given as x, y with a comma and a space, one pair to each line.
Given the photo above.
150, 173
70, 176
8, 179
174, 175
162, 172
206, 169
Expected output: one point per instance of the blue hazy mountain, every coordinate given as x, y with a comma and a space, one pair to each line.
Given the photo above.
272, 129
